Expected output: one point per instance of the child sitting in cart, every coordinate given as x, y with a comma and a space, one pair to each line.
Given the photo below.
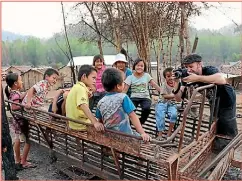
115, 108
77, 102
166, 105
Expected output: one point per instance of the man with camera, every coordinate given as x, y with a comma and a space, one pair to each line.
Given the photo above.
196, 73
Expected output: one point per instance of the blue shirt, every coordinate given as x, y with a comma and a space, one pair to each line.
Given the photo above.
128, 72
114, 109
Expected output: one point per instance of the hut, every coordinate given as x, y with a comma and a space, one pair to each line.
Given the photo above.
65, 76
232, 73
18, 69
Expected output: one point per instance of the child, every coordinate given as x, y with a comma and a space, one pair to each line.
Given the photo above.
115, 108
139, 82
59, 102
20, 125
121, 64
58, 106
36, 95
166, 104
98, 63
77, 102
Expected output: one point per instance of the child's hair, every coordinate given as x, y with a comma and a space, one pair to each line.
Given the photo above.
50, 71
96, 57
85, 69
10, 79
137, 61
111, 78
169, 69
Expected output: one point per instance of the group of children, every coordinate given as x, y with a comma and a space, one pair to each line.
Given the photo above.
117, 90
35, 97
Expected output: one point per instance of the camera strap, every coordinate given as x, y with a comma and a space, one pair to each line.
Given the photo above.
178, 89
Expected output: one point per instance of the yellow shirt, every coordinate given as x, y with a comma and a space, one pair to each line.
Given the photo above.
77, 96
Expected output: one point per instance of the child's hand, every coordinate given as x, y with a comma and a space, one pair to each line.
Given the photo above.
28, 106
54, 108
5, 149
99, 126
145, 137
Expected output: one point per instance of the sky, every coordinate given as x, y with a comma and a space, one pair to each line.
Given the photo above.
43, 19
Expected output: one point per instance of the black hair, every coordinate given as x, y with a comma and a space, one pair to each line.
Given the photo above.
169, 69
192, 58
85, 69
50, 71
111, 78
96, 57
137, 61
11, 78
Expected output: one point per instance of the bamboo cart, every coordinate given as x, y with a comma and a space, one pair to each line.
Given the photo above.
187, 154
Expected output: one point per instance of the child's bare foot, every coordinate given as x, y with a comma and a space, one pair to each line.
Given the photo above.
28, 165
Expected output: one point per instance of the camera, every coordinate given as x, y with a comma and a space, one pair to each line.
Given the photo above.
180, 73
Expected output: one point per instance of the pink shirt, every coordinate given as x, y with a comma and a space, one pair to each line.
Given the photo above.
99, 85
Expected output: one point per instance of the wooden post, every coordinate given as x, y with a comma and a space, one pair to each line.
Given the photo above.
8, 156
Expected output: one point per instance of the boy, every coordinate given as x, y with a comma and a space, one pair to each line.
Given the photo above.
77, 102
59, 102
115, 108
36, 95
166, 105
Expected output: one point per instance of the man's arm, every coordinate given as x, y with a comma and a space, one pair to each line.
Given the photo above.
216, 78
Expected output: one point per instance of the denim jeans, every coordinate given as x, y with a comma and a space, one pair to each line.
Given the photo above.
163, 108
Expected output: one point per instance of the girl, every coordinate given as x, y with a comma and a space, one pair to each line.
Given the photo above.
20, 125
121, 63
98, 63
139, 82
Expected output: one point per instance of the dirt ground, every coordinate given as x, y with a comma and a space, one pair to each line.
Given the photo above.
47, 171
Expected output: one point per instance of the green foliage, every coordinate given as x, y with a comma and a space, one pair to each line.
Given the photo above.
214, 47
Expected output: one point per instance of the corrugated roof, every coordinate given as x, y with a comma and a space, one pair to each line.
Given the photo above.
82, 60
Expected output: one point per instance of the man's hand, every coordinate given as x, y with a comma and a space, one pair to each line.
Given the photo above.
191, 78
145, 137
99, 126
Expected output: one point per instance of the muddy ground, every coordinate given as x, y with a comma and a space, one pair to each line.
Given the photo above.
39, 155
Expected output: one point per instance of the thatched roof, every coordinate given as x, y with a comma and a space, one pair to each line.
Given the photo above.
234, 68
39, 70
20, 68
